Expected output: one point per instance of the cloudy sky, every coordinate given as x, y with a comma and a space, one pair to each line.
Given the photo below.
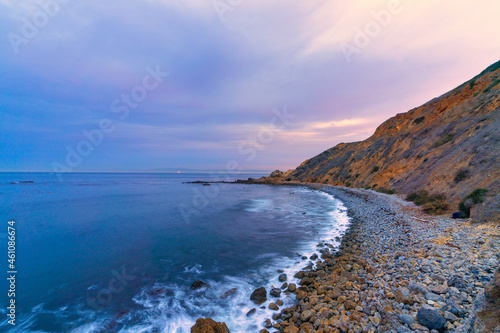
150, 84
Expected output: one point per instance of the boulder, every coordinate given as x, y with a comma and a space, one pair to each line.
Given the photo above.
275, 292
199, 284
273, 306
259, 296
251, 312
282, 277
431, 319
229, 293
208, 325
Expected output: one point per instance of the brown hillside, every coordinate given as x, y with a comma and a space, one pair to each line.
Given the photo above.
448, 146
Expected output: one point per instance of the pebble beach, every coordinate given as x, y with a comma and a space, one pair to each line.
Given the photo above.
397, 270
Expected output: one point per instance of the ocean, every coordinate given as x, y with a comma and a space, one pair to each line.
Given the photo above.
118, 252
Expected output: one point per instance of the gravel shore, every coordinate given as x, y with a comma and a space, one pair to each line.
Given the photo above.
397, 270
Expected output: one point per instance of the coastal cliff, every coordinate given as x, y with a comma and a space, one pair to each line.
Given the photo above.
448, 147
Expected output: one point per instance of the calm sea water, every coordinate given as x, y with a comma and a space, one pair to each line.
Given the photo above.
118, 252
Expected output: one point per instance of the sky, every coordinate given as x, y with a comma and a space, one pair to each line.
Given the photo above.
150, 85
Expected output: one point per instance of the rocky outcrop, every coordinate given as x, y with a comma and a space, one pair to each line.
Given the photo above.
448, 146
207, 325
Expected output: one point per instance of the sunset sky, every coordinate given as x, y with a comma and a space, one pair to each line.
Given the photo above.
265, 84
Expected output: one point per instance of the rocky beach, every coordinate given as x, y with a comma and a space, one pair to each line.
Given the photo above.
397, 270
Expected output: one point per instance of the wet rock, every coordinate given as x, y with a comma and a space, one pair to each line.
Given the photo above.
229, 293
161, 291
259, 296
292, 287
431, 319
273, 306
251, 312
282, 277
208, 325
275, 292
199, 284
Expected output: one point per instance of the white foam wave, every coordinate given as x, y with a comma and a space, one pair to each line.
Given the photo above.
178, 313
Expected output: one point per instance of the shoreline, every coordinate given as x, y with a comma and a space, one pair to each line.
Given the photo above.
397, 269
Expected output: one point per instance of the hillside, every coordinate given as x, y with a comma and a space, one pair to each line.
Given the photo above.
447, 146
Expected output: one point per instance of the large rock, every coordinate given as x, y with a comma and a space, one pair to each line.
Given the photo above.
199, 284
431, 319
259, 296
208, 325
275, 292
